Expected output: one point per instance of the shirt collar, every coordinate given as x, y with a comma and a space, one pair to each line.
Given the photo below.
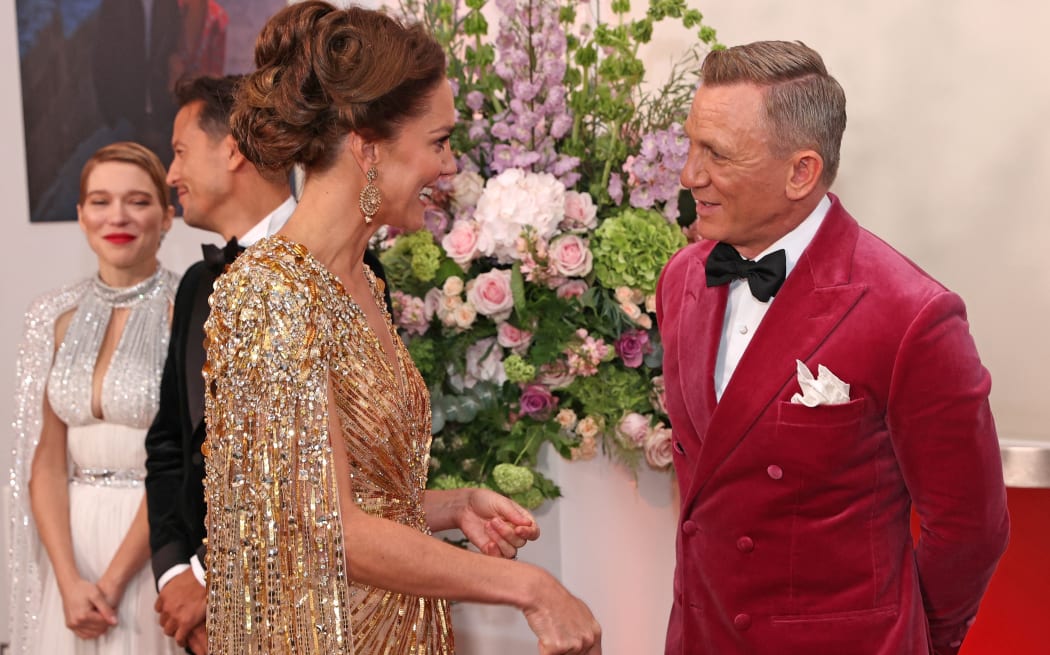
794, 243
269, 226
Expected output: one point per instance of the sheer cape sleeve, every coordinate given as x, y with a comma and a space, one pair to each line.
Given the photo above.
276, 573
27, 560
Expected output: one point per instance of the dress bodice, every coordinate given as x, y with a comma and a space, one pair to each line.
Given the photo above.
131, 384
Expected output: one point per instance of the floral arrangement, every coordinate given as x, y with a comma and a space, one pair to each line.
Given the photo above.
528, 303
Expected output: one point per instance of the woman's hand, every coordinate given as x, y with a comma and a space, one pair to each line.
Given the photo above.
495, 524
562, 622
88, 613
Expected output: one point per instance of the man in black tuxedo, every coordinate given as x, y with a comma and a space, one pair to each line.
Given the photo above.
222, 192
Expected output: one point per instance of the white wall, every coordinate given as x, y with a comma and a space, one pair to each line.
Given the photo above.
947, 156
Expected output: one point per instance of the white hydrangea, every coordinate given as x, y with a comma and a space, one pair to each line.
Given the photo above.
512, 201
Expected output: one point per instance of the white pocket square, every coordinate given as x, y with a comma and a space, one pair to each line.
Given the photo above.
825, 389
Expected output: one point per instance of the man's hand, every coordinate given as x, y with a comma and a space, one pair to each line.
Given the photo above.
198, 642
495, 524
181, 605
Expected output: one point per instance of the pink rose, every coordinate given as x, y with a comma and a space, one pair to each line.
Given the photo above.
580, 212
537, 401
632, 347
514, 338
632, 429
461, 243
491, 295
570, 256
572, 289
659, 447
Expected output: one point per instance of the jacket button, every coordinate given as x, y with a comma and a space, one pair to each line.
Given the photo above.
742, 622
775, 472
689, 528
745, 544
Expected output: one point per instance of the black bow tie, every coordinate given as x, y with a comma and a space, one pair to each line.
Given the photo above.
218, 258
764, 277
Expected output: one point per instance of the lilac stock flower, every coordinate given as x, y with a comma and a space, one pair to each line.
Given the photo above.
653, 172
538, 402
475, 100
632, 347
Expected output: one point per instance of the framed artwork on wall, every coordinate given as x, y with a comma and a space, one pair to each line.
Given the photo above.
98, 71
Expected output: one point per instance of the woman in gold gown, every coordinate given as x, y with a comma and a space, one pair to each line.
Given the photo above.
319, 520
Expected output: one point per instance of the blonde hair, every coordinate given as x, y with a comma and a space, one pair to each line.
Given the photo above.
133, 153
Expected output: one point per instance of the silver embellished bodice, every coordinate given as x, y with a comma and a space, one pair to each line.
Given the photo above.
131, 384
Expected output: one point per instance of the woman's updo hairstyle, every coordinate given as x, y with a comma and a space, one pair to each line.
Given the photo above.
323, 72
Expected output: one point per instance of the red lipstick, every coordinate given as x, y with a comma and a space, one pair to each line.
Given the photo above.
119, 238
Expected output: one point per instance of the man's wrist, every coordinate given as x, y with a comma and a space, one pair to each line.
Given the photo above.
198, 570
170, 574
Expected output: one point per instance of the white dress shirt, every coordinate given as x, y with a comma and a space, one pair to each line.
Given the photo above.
268, 226
744, 312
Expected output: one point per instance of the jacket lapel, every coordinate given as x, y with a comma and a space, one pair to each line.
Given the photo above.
700, 330
813, 301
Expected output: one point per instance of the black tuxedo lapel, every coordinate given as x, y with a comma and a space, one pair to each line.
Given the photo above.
195, 354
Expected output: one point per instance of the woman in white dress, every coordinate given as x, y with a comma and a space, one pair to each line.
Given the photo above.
88, 380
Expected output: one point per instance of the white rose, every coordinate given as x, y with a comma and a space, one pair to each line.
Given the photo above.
484, 363
453, 286
466, 189
588, 428
464, 315
566, 418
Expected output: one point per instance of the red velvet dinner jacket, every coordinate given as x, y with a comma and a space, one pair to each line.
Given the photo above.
794, 534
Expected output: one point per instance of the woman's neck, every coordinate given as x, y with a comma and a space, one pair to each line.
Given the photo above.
120, 277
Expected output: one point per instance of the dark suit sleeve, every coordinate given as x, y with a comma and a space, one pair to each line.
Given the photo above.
946, 445
169, 542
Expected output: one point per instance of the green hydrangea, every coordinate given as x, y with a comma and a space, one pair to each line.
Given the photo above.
631, 248
529, 499
512, 479
518, 370
447, 482
612, 392
412, 262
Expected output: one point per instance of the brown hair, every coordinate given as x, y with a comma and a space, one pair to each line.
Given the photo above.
128, 152
805, 106
216, 96
323, 72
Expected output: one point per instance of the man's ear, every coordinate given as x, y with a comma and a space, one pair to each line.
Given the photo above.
807, 167
234, 158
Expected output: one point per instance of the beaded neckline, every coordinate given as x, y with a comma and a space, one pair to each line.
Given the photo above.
127, 296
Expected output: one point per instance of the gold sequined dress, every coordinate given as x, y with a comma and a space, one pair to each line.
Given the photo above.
281, 326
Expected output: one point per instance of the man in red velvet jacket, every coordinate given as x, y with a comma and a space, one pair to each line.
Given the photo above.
812, 413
